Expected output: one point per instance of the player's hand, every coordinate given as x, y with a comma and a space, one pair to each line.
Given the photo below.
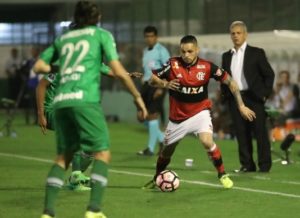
42, 121
135, 75
142, 111
140, 116
173, 84
247, 113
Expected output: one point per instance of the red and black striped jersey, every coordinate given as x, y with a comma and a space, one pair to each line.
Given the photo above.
192, 95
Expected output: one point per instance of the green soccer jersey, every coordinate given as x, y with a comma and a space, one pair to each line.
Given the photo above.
50, 92
80, 54
53, 79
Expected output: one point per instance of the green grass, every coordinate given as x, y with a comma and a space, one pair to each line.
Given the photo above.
276, 194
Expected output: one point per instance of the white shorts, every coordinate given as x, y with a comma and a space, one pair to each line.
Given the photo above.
196, 124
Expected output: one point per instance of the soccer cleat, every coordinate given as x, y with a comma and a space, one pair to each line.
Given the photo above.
78, 187
149, 185
77, 177
46, 216
145, 152
226, 181
90, 214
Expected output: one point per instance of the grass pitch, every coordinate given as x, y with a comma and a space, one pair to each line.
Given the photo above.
25, 161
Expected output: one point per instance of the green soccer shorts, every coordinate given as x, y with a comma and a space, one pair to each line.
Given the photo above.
81, 128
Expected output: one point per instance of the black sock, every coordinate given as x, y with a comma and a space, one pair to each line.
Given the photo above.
161, 165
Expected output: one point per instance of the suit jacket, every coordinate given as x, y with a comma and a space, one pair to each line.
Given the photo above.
258, 72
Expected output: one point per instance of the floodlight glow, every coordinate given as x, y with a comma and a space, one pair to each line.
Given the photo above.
4, 27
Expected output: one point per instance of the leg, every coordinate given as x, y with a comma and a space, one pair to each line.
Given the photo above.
154, 135
164, 158
215, 155
94, 138
213, 152
244, 138
153, 131
81, 161
98, 180
55, 181
162, 162
173, 134
66, 140
78, 181
262, 138
153, 104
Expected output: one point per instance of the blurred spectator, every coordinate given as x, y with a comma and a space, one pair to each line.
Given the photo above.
295, 113
31, 81
12, 67
284, 98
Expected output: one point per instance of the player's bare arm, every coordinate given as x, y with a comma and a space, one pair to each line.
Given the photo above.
159, 83
131, 74
41, 67
246, 112
40, 99
122, 74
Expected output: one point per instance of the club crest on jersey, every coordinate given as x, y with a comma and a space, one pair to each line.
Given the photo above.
200, 75
191, 90
175, 65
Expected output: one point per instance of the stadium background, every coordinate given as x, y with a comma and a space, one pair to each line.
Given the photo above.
273, 25
26, 157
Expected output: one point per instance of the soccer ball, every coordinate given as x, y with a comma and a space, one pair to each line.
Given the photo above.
167, 181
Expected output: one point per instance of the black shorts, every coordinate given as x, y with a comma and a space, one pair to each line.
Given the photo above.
152, 105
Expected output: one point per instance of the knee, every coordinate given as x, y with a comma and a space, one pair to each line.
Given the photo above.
207, 142
104, 156
61, 161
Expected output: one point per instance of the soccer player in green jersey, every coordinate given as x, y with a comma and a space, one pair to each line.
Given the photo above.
45, 93
79, 120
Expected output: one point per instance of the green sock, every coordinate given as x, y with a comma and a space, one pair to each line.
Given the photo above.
81, 161
85, 161
55, 181
76, 162
98, 184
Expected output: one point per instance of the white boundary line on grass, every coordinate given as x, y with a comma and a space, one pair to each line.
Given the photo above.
148, 175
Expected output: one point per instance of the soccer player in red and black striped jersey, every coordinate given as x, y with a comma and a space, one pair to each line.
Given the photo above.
187, 78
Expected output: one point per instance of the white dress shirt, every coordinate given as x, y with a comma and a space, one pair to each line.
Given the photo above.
236, 66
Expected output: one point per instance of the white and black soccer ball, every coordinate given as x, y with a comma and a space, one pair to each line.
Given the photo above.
167, 181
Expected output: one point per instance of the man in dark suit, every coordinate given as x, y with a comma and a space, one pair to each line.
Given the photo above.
249, 67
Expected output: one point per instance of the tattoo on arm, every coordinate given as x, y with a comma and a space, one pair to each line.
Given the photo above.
238, 98
228, 81
232, 85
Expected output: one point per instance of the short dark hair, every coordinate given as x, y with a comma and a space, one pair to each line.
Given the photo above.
188, 39
86, 13
150, 29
